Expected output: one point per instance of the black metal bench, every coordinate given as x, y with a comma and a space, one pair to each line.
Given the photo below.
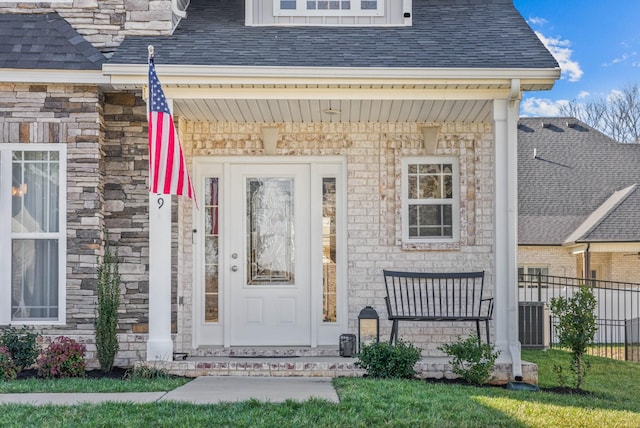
420, 296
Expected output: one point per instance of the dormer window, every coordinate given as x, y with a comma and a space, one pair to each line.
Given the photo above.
328, 7
330, 13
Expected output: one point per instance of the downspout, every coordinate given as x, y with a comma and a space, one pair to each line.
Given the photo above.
512, 218
586, 261
178, 13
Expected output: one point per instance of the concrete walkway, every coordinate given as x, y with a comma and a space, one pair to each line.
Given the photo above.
202, 390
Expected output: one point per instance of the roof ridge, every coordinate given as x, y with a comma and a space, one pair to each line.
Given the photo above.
600, 214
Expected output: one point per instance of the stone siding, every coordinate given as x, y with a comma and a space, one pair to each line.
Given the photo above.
71, 115
105, 23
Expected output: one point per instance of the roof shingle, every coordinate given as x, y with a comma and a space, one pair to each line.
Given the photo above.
44, 41
444, 34
575, 171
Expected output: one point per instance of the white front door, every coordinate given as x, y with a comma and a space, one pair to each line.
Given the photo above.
269, 254
269, 260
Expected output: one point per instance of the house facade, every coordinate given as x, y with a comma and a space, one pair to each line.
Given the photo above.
578, 202
326, 141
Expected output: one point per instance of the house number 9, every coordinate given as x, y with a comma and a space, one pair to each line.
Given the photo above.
160, 202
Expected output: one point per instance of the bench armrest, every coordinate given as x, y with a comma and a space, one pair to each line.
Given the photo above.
388, 303
489, 304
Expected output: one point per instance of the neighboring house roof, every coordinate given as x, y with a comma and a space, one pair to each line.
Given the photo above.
44, 41
444, 34
582, 186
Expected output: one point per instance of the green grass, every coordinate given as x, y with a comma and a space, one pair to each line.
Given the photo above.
91, 385
614, 402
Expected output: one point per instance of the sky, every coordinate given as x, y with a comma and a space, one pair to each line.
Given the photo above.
596, 43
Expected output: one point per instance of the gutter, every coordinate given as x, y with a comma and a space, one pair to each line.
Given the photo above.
89, 77
208, 74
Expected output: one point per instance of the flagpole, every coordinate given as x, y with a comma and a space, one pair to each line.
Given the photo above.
159, 343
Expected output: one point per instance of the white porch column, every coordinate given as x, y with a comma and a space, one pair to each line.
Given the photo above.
505, 116
159, 344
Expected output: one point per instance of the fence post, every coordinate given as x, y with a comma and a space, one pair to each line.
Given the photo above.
539, 287
626, 343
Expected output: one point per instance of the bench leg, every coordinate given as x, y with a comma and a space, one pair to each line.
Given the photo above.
394, 333
487, 328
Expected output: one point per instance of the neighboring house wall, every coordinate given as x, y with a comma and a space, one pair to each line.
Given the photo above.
373, 153
626, 267
105, 23
559, 261
619, 267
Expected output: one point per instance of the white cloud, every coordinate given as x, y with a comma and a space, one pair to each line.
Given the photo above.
561, 52
541, 107
582, 95
614, 94
536, 20
623, 58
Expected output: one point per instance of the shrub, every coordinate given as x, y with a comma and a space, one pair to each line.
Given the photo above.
472, 360
576, 328
143, 371
108, 302
384, 360
63, 358
8, 369
22, 345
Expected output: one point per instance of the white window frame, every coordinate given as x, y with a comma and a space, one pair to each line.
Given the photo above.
454, 201
301, 10
529, 276
6, 235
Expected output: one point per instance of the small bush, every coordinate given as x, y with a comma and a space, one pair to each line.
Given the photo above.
576, 329
8, 369
107, 309
63, 358
22, 345
472, 360
147, 372
384, 360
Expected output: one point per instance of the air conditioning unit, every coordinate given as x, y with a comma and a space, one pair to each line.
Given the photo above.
533, 325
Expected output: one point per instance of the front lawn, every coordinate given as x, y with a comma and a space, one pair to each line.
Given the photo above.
613, 402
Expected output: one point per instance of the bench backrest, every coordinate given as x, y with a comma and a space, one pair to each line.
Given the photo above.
420, 294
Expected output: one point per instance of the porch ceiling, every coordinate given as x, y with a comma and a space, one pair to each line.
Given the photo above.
332, 110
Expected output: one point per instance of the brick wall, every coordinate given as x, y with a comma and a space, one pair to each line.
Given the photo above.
559, 260
373, 153
105, 23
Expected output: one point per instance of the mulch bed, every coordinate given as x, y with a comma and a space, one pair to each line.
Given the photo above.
115, 373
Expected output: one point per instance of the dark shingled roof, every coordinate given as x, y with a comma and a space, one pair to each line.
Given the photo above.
449, 34
44, 41
576, 171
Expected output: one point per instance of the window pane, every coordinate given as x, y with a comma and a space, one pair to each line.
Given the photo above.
35, 193
211, 208
369, 5
329, 278
270, 231
288, 4
34, 279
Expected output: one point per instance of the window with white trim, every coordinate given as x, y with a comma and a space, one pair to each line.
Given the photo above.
32, 233
328, 7
528, 276
430, 199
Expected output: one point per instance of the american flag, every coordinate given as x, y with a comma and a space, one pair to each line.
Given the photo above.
168, 173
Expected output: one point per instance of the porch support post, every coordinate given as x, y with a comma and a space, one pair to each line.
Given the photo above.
505, 116
159, 344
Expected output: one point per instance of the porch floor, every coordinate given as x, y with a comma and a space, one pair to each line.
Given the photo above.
308, 362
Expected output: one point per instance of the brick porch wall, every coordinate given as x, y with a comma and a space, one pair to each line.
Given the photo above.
372, 153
